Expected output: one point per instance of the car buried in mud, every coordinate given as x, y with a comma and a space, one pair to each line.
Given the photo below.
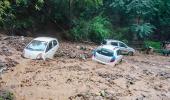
41, 48
107, 54
125, 49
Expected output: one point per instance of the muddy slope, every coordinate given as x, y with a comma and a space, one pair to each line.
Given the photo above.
72, 75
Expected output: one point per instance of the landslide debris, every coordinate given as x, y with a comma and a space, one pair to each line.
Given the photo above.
75, 50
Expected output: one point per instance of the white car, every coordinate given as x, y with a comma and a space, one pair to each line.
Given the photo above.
107, 54
41, 48
123, 47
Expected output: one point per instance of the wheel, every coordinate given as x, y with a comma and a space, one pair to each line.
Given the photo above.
130, 53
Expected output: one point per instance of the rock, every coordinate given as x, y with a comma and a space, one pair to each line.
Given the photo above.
164, 75
78, 47
102, 93
5, 38
72, 55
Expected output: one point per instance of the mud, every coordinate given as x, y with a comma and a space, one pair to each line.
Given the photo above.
71, 75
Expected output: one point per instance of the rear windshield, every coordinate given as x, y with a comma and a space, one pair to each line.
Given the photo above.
105, 52
36, 45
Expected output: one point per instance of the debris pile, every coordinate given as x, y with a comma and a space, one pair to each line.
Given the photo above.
5, 51
163, 75
80, 51
7, 64
109, 76
102, 95
18, 43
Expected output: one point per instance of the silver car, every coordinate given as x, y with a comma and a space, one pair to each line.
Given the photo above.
125, 49
107, 54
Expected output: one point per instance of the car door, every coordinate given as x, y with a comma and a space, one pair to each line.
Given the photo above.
55, 46
123, 48
118, 56
49, 50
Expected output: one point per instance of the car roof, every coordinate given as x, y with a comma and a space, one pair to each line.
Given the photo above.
111, 40
109, 47
46, 39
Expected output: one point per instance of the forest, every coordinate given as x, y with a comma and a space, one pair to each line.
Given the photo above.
89, 20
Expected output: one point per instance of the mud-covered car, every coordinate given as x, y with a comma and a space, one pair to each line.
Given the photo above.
125, 49
41, 48
107, 54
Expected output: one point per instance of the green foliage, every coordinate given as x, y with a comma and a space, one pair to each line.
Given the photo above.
95, 29
5, 11
100, 28
142, 30
154, 44
79, 17
7, 96
80, 31
120, 33
141, 7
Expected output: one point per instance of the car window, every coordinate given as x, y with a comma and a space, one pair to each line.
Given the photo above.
105, 52
104, 42
54, 42
122, 45
114, 43
49, 47
36, 45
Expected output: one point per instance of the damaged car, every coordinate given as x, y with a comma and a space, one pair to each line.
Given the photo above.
41, 48
107, 54
125, 49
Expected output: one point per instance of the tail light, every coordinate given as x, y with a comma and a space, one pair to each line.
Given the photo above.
112, 60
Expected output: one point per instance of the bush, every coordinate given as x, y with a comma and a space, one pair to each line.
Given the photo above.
121, 34
154, 44
142, 30
80, 30
95, 29
6, 95
100, 28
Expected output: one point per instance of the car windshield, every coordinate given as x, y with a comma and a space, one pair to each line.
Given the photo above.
36, 45
105, 52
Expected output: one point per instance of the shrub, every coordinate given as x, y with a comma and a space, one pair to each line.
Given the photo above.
6, 95
121, 34
142, 30
154, 44
94, 30
80, 30
100, 28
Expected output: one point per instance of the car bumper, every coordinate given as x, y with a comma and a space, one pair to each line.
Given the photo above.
105, 63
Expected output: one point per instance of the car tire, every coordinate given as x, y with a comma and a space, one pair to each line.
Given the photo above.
130, 53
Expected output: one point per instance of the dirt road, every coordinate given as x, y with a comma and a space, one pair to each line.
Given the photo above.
141, 77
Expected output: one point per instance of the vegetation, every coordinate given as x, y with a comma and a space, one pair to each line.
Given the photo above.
7, 96
91, 20
154, 44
